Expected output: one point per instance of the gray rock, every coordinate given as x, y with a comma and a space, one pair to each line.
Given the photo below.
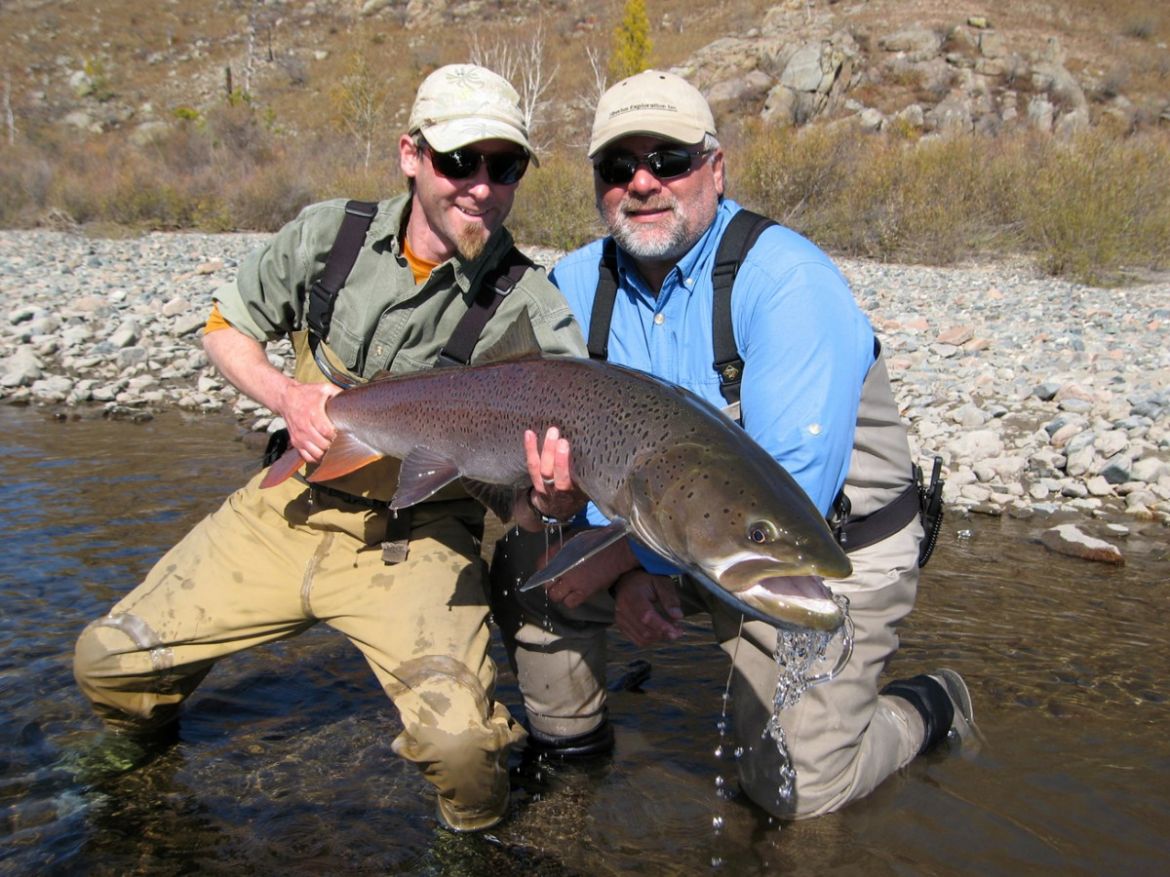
1068, 539
23, 367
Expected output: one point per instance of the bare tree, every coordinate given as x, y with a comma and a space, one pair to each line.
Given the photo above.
9, 118
522, 64
362, 106
598, 65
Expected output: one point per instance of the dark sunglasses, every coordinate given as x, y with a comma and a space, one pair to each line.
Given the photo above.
618, 168
504, 168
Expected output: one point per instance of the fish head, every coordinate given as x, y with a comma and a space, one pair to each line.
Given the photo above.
744, 523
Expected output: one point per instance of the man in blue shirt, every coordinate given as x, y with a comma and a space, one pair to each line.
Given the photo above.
815, 394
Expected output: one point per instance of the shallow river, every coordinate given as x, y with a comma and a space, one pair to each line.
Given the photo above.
283, 765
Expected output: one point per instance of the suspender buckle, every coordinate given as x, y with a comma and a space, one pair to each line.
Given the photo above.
361, 208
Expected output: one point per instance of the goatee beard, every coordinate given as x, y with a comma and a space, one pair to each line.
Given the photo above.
470, 241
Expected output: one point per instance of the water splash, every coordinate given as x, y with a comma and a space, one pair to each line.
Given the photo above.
797, 653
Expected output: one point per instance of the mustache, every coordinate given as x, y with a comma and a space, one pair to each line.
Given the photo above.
631, 203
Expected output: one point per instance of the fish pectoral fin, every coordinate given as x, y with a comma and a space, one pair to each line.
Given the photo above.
288, 463
424, 473
497, 498
577, 550
346, 454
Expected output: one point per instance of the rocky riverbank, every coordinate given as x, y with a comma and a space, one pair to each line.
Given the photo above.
1037, 393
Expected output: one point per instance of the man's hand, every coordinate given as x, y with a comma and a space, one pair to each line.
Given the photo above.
310, 430
646, 607
599, 572
242, 361
553, 493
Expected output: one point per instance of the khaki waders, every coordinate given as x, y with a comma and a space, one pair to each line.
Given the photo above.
269, 564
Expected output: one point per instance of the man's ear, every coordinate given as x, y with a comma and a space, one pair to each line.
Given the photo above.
717, 170
409, 156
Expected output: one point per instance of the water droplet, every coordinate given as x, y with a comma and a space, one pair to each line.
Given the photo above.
717, 822
718, 751
719, 781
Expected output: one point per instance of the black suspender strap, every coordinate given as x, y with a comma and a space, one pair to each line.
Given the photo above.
496, 284
338, 264
739, 237
603, 301
493, 288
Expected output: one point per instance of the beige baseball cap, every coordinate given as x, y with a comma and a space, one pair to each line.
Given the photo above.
464, 103
652, 102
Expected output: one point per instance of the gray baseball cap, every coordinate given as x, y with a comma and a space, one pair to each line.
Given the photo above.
464, 103
655, 103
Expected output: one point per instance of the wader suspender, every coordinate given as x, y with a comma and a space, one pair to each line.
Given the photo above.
495, 284
738, 238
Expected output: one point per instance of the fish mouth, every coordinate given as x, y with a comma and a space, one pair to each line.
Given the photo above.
799, 600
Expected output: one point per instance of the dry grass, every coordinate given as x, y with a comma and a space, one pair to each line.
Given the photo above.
1093, 208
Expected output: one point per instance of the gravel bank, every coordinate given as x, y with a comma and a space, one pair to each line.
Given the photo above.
1037, 393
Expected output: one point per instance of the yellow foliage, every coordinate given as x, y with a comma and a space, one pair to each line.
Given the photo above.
631, 42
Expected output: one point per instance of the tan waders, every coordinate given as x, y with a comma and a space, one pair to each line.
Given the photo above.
269, 564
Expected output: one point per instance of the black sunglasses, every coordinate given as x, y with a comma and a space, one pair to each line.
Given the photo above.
618, 168
504, 168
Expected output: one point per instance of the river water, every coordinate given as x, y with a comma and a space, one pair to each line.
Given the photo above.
283, 763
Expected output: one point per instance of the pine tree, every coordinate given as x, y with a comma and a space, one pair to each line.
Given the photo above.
631, 42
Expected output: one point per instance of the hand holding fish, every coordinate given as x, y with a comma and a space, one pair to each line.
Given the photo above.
244, 362
601, 571
553, 492
310, 430
646, 607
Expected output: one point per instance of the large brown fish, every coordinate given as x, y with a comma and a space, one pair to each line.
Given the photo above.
662, 464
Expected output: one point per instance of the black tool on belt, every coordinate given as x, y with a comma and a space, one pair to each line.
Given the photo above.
931, 504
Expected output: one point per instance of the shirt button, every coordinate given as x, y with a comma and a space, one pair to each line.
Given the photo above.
659, 319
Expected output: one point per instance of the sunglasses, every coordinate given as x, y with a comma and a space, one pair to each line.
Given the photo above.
504, 168
618, 168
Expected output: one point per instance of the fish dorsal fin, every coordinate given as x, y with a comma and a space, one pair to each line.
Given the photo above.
517, 342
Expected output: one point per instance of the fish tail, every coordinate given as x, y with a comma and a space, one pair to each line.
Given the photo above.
346, 454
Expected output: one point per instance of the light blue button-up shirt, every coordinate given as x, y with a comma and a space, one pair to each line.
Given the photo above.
806, 345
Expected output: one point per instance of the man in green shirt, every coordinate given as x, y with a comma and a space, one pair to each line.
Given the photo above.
271, 563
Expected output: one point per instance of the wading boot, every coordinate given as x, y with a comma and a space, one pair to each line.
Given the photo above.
943, 702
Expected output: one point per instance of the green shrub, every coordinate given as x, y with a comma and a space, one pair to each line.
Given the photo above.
1091, 208
25, 179
1098, 206
555, 204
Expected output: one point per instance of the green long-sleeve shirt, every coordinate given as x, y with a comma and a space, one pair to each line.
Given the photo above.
382, 319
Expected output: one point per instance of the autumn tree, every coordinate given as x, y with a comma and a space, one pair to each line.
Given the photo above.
631, 42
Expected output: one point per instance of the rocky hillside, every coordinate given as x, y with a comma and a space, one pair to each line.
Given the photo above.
125, 68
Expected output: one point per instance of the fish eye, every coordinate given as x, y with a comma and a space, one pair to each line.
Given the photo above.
761, 532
